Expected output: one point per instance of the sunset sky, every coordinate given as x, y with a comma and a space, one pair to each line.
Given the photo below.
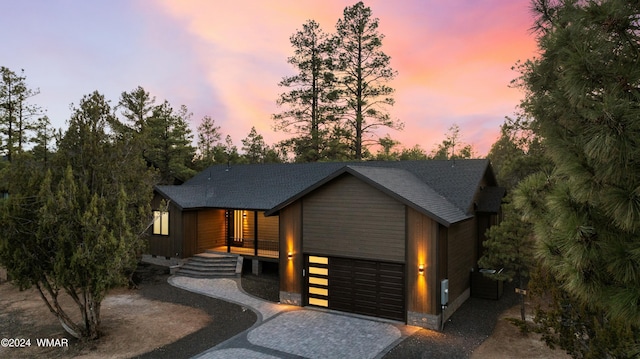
225, 59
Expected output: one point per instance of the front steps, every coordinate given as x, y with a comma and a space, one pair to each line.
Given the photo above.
211, 265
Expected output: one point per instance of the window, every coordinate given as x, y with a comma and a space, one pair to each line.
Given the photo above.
318, 281
161, 223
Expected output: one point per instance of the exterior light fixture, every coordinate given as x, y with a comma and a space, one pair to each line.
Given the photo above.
421, 269
289, 255
244, 214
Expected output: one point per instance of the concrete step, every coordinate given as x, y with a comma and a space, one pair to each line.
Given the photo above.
212, 265
205, 261
210, 268
197, 274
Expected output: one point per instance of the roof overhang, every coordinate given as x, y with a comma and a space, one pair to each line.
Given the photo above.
398, 184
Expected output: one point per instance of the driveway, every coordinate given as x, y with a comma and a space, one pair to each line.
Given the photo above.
284, 331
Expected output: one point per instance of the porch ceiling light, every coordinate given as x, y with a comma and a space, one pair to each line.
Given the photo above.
421, 269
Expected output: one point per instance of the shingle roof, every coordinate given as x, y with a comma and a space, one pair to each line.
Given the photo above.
442, 189
490, 199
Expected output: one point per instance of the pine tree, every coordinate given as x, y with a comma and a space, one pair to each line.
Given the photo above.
311, 100
169, 143
137, 107
43, 140
227, 152
584, 94
517, 153
254, 147
208, 137
16, 114
412, 154
510, 248
581, 330
386, 153
364, 71
452, 147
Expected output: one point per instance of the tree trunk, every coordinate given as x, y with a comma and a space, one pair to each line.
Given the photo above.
88, 305
522, 313
91, 316
359, 101
54, 307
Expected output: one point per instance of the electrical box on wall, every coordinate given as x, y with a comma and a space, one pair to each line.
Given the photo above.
444, 292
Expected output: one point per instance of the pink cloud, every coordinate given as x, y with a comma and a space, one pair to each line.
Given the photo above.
453, 60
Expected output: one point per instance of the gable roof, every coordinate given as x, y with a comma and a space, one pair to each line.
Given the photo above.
490, 199
444, 190
397, 183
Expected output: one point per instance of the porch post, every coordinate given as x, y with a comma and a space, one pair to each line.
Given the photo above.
255, 232
229, 229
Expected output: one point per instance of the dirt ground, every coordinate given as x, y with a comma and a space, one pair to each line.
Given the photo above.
507, 342
130, 325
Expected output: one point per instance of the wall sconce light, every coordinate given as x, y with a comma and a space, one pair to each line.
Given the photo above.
244, 214
421, 269
289, 255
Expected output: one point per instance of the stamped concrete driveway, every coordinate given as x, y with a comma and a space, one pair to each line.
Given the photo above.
284, 331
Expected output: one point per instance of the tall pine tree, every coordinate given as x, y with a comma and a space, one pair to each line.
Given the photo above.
169, 146
16, 114
208, 138
310, 102
584, 94
364, 71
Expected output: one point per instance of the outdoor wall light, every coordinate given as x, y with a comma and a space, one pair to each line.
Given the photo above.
244, 214
421, 269
289, 255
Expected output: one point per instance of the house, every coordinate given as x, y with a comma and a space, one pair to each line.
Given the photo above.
396, 239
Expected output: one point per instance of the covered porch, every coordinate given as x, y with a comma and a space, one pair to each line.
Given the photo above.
245, 232
266, 249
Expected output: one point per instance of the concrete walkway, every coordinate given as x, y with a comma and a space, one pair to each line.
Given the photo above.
284, 331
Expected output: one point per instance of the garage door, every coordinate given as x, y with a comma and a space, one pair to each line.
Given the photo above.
357, 286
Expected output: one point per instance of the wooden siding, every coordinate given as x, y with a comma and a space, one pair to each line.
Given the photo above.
248, 224
291, 241
189, 233
211, 229
268, 227
461, 256
422, 241
171, 245
350, 218
443, 257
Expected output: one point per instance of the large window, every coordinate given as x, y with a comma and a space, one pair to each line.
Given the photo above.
161, 223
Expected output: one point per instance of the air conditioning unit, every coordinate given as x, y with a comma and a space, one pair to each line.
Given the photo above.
444, 292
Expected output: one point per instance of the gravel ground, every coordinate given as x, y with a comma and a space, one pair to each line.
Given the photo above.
228, 319
463, 332
467, 328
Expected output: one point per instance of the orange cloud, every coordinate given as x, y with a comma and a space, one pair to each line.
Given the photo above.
453, 60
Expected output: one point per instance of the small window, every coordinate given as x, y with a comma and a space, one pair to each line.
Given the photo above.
161, 223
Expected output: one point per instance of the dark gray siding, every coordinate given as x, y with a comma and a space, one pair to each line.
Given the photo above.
461, 256
350, 218
171, 245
